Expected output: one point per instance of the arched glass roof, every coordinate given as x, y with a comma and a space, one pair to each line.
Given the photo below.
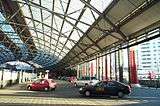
5, 54
56, 25
48, 32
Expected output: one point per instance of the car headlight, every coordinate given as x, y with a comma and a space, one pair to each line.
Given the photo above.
80, 89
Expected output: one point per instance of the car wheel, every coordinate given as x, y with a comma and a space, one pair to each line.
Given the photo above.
87, 93
86, 84
29, 87
120, 94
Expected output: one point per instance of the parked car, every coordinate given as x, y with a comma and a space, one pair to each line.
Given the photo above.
110, 88
85, 81
42, 84
72, 79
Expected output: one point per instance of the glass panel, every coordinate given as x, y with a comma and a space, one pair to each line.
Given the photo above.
48, 20
55, 37
67, 27
75, 36
47, 3
59, 45
87, 17
100, 5
40, 35
69, 44
53, 41
36, 13
65, 50
58, 8
36, 1
25, 11
75, 8
46, 16
58, 50
46, 29
62, 39
58, 23
56, 53
47, 39
82, 27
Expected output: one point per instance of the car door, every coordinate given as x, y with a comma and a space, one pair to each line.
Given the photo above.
110, 88
44, 84
99, 88
36, 85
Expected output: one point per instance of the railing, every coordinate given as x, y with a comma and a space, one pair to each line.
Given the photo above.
150, 83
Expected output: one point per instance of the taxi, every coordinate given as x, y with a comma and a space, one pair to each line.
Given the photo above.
111, 88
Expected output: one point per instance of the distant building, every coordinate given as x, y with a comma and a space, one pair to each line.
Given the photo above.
148, 56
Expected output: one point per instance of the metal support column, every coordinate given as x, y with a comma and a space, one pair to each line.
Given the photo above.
96, 68
115, 56
120, 66
110, 67
99, 68
129, 72
102, 67
106, 68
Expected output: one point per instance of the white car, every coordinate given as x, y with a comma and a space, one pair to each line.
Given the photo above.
85, 81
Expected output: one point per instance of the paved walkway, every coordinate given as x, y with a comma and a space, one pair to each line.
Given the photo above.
67, 95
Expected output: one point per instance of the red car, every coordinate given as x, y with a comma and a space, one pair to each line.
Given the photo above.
42, 84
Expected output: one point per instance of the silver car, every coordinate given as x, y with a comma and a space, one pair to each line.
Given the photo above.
85, 81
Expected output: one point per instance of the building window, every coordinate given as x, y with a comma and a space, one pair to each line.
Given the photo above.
148, 58
145, 48
146, 51
143, 58
146, 62
146, 66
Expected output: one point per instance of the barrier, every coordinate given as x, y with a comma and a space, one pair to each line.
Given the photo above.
150, 83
